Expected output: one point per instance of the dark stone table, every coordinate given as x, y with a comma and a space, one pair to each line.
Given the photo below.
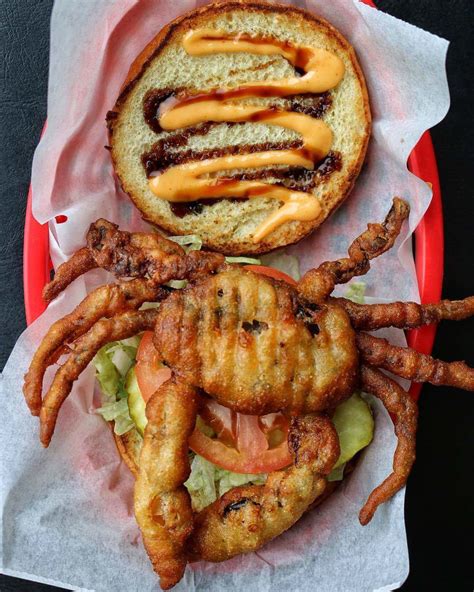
440, 500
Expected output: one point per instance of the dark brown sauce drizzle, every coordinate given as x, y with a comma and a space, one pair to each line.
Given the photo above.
186, 208
313, 104
297, 178
301, 54
161, 157
151, 103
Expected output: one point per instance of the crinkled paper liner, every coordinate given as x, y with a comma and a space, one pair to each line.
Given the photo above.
67, 511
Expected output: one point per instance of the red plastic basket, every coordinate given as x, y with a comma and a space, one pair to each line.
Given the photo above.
429, 243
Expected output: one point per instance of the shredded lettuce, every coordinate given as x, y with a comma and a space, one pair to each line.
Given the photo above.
112, 362
337, 474
193, 242
177, 284
288, 264
118, 413
356, 292
207, 482
243, 260
107, 375
147, 305
227, 479
189, 242
279, 260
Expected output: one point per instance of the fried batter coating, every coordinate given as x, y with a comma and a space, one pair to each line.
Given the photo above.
404, 412
132, 254
257, 346
317, 284
162, 503
120, 326
146, 255
413, 365
246, 518
248, 342
81, 262
105, 301
405, 315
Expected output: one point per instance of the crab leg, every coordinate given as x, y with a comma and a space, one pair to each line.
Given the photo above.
162, 504
246, 518
146, 255
81, 262
404, 412
105, 301
132, 254
121, 326
405, 315
317, 284
413, 365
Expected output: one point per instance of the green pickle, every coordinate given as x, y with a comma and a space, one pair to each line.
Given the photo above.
136, 404
355, 427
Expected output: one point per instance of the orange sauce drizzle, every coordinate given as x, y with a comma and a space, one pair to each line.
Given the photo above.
185, 182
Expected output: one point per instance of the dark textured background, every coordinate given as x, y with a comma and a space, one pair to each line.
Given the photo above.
440, 501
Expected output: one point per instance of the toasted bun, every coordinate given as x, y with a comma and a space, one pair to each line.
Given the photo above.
228, 225
129, 446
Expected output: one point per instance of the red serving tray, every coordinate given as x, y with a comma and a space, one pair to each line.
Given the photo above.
429, 252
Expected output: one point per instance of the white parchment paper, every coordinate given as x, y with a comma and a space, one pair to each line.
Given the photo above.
67, 512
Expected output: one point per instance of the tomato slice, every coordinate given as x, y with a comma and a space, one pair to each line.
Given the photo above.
151, 372
273, 273
221, 419
242, 443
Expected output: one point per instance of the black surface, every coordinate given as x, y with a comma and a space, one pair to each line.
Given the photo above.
440, 506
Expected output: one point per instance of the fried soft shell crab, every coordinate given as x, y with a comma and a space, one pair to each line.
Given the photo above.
257, 346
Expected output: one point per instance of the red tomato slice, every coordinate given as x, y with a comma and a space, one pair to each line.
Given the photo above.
221, 419
242, 442
273, 273
151, 373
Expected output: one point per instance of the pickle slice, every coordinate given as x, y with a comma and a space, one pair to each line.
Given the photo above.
355, 427
136, 404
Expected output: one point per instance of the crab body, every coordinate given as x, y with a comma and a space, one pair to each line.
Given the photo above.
254, 345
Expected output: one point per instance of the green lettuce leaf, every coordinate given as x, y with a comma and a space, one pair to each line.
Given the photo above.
107, 375
112, 363
288, 264
207, 482
119, 414
356, 292
189, 242
227, 479
148, 305
243, 260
